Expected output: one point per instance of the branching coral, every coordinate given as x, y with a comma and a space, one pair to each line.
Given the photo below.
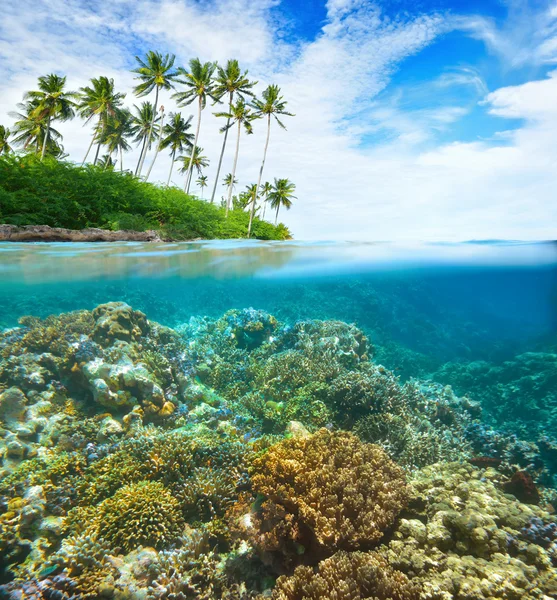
347, 576
143, 513
322, 493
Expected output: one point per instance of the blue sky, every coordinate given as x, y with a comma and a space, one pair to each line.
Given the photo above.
414, 120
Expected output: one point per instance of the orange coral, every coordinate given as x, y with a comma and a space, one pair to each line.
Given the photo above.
347, 576
323, 493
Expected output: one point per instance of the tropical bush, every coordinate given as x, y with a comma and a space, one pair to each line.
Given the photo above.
61, 194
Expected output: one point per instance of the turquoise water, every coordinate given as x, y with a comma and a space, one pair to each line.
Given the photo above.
119, 362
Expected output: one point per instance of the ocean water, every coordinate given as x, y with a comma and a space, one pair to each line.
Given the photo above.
278, 420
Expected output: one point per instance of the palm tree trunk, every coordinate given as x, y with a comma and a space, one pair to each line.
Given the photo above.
260, 172
45, 142
276, 216
234, 168
98, 149
92, 141
171, 167
121, 160
89, 149
222, 149
140, 155
157, 150
190, 168
189, 181
144, 153
264, 207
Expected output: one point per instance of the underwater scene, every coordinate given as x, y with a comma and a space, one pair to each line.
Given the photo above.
224, 420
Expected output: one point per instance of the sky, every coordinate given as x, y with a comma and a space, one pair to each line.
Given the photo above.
414, 119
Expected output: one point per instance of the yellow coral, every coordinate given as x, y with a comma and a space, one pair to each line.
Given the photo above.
140, 514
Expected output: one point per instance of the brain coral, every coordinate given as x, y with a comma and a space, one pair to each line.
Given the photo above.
118, 321
347, 576
143, 513
324, 492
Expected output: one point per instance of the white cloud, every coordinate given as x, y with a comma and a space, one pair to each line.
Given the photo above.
394, 190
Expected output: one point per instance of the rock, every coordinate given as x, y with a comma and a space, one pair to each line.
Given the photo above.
44, 233
297, 430
12, 405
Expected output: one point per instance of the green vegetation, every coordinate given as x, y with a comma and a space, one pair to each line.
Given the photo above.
117, 128
60, 194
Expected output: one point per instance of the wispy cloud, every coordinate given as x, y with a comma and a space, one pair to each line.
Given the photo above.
405, 184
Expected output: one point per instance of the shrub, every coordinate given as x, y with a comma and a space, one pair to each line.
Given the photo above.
61, 194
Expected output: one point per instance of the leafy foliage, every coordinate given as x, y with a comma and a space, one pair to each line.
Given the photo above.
60, 194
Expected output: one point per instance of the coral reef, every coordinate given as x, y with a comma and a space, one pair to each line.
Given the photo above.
205, 461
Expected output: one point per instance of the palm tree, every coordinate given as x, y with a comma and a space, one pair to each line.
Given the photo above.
282, 194
52, 102
241, 114
265, 191
230, 80
158, 148
230, 181
5, 134
30, 129
199, 83
156, 73
272, 105
250, 194
141, 128
176, 137
202, 183
117, 132
106, 163
195, 160
98, 99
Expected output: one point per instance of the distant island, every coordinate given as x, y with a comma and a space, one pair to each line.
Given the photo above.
40, 187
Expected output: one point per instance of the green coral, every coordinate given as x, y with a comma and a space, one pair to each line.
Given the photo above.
143, 513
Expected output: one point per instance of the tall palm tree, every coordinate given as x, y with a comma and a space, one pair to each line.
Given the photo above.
265, 191
53, 102
30, 129
117, 132
271, 105
240, 114
282, 194
5, 134
158, 148
156, 72
202, 183
196, 161
199, 85
230, 81
141, 128
102, 101
176, 136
